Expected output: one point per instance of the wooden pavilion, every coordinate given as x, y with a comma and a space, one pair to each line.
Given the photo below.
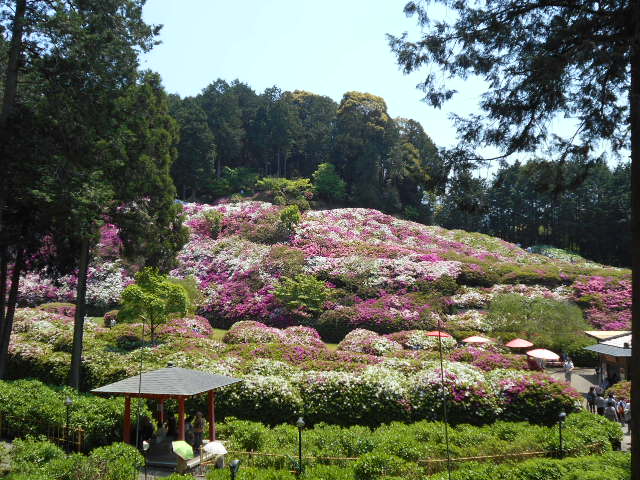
165, 383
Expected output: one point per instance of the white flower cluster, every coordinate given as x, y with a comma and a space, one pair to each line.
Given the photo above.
419, 340
366, 341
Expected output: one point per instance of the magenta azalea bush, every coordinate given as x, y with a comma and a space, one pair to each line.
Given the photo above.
607, 301
536, 397
489, 359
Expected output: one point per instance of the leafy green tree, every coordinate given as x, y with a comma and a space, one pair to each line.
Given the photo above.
224, 115
194, 167
550, 323
154, 299
303, 292
328, 184
364, 137
290, 217
313, 144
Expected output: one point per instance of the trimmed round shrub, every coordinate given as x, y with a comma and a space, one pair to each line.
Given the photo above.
366, 341
248, 331
375, 465
334, 324
537, 398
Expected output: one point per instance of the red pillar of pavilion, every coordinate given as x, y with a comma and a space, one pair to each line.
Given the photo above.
212, 416
180, 418
126, 433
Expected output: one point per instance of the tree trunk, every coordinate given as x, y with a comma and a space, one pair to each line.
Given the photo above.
634, 101
5, 334
81, 308
13, 63
4, 260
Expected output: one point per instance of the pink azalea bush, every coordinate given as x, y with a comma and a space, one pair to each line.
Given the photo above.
489, 359
607, 301
536, 397
194, 327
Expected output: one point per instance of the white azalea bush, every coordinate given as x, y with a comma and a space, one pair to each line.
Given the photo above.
366, 341
419, 340
269, 399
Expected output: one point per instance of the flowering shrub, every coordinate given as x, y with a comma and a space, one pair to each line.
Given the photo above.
621, 390
348, 399
196, 327
419, 340
488, 360
366, 341
470, 398
607, 301
536, 397
302, 336
252, 332
377, 263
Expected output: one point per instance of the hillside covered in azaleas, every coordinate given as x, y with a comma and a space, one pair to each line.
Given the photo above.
382, 273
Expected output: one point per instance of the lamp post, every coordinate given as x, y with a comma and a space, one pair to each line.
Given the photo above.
300, 424
561, 418
67, 403
234, 466
145, 449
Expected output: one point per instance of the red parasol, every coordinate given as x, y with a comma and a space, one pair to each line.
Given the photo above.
477, 339
437, 333
519, 343
543, 354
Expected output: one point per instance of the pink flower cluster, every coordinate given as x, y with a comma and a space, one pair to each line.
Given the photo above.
190, 327
248, 331
489, 359
608, 301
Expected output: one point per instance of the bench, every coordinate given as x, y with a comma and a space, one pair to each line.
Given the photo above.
183, 465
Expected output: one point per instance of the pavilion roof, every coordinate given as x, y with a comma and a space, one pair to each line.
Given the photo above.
616, 347
172, 381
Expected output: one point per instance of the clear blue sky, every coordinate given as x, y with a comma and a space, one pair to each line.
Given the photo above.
327, 47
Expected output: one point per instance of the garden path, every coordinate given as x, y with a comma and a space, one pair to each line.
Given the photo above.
581, 380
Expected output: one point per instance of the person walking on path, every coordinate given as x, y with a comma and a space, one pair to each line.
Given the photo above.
627, 416
568, 368
591, 399
610, 411
600, 404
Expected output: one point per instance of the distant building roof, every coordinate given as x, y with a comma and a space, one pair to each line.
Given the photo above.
619, 346
171, 381
623, 341
605, 334
609, 350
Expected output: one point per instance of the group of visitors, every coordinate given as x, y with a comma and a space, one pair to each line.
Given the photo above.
193, 430
615, 410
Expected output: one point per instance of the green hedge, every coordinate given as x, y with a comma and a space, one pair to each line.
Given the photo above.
412, 442
610, 466
29, 407
35, 459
